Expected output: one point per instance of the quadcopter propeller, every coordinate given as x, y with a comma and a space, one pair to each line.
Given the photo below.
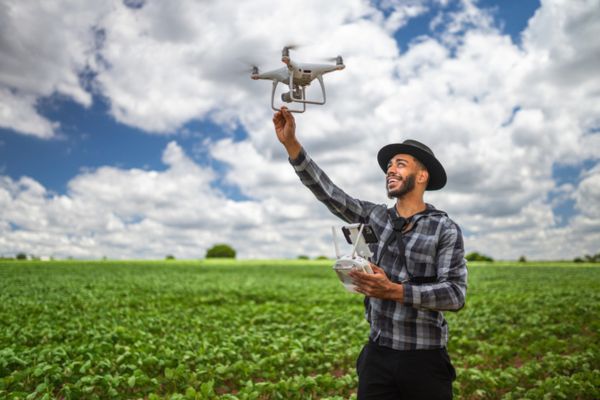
248, 67
285, 53
241, 68
253, 70
292, 46
338, 60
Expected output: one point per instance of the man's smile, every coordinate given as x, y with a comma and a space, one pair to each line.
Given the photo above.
393, 179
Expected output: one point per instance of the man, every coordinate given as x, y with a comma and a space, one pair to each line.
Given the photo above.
419, 269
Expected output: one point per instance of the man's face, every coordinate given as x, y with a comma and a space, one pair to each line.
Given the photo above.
401, 175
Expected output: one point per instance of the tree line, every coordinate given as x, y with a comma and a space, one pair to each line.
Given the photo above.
224, 250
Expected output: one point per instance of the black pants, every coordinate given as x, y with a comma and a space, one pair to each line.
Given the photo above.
385, 373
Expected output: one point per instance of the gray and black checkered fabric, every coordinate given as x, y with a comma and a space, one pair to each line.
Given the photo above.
433, 248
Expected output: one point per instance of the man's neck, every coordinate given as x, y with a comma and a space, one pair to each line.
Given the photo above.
409, 206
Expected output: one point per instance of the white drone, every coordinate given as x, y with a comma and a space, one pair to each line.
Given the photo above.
297, 76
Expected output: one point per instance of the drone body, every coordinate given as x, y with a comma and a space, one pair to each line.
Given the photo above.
297, 76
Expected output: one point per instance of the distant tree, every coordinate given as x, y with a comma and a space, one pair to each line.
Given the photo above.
21, 256
522, 259
220, 250
322, 258
303, 257
169, 257
475, 256
588, 258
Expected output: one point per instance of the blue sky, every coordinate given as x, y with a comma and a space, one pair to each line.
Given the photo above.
109, 108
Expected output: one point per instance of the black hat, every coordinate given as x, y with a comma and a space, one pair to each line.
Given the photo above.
437, 175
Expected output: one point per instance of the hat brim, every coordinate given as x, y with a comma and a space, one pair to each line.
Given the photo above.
437, 174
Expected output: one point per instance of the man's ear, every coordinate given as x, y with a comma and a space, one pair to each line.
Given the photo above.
423, 176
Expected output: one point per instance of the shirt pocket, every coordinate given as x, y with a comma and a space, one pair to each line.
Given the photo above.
421, 259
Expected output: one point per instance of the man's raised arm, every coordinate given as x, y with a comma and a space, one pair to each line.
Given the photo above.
337, 201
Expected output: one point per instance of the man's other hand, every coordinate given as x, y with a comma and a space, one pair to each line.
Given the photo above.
377, 284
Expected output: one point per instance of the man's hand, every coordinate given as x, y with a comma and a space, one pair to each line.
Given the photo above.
285, 128
377, 285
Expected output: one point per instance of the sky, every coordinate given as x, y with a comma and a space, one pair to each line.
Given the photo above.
132, 129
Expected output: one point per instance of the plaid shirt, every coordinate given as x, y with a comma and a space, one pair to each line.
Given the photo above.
433, 248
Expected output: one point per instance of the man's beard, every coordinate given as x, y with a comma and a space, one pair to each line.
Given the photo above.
407, 186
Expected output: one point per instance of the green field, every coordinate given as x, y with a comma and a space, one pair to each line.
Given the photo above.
276, 330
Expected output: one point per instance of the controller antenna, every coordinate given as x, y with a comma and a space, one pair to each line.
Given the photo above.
335, 242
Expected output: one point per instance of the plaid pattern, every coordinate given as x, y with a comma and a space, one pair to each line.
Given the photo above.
433, 247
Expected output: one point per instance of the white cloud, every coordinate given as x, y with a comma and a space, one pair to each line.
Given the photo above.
497, 114
44, 49
125, 213
18, 112
168, 63
136, 213
587, 196
400, 12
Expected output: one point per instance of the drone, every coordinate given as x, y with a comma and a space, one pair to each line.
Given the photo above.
297, 76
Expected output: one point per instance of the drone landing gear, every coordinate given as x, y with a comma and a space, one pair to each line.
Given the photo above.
303, 98
297, 95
